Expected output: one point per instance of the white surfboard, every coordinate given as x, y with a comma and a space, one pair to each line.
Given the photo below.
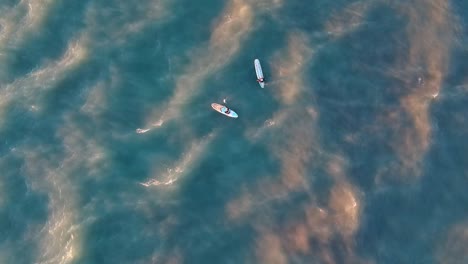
224, 110
259, 72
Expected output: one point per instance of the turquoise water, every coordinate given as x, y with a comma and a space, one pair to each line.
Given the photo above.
354, 152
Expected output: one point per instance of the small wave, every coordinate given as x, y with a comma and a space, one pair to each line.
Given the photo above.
154, 182
141, 131
188, 159
144, 130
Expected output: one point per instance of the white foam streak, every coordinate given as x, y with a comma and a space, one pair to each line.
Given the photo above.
27, 90
53, 174
75, 54
57, 244
16, 25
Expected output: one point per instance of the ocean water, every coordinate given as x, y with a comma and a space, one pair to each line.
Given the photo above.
356, 151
